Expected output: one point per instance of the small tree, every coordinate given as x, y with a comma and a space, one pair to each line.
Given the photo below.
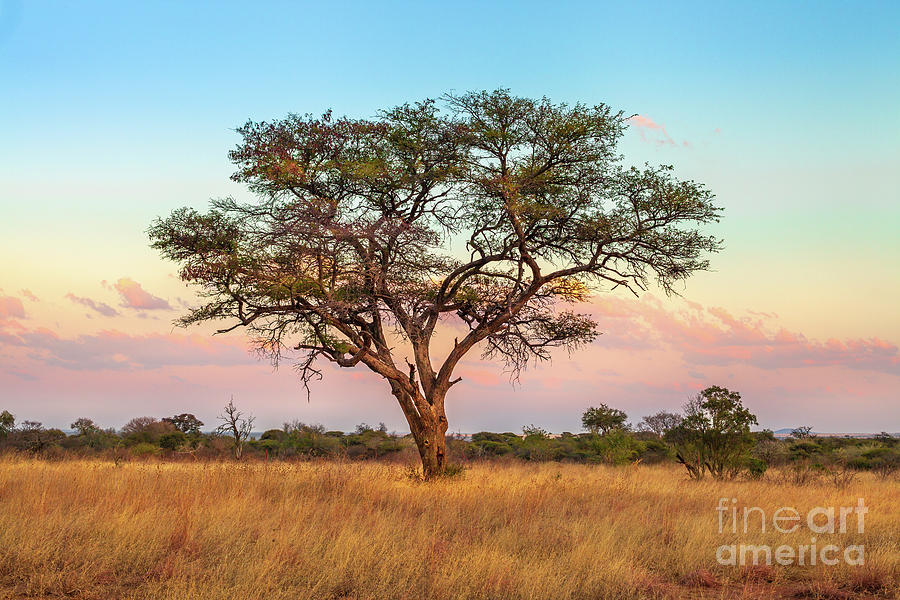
237, 426
7, 423
33, 437
660, 423
185, 423
714, 435
886, 439
802, 433
138, 425
146, 430
603, 419
533, 431
85, 427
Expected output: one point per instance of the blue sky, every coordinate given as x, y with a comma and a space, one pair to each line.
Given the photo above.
113, 113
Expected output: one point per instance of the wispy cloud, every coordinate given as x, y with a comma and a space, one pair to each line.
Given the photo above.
115, 350
135, 296
651, 131
11, 307
715, 336
101, 307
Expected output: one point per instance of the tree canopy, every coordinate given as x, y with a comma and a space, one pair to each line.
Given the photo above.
714, 435
603, 419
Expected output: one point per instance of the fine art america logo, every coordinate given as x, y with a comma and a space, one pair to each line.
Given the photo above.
787, 520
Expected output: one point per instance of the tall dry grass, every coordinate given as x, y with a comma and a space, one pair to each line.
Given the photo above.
365, 530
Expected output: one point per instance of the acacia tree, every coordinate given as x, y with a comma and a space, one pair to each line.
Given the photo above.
603, 419
484, 213
714, 434
186, 423
660, 423
85, 427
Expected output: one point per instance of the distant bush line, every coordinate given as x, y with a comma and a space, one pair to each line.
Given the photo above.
179, 438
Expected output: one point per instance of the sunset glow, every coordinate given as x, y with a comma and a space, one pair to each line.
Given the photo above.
114, 115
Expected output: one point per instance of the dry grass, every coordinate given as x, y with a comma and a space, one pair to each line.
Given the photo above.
364, 530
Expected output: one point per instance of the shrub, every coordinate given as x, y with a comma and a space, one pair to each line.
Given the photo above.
756, 468
491, 448
146, 430
172, 440
805, 450
884, 461
770, 451
617, 447
655, 451
144, 449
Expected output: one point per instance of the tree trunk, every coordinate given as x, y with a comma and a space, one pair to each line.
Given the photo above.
433, 450
428, 425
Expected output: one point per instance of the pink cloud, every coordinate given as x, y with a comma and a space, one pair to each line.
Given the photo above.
653, 354
29, 296
115, 350
135, 296
714, 336
660, 137
101, 307
11, 307
482, 374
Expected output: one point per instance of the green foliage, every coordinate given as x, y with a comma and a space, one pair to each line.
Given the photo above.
660, 423
145, 430
603, 419
805, 450
172, 440
714, 436
719, 413
801, 433
144, 449
7, 423
185, 423
275, 435
756, 468
493, 444
884, 460
617, 447
85, 427
535, 433
886, 439
31, 436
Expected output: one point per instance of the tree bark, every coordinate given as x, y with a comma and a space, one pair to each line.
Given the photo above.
428, 425
432, 444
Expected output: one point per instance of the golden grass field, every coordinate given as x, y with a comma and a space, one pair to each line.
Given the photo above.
91, 529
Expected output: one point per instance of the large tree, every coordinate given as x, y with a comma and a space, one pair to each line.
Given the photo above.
484, 213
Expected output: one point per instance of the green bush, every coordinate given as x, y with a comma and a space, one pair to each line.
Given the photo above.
805, 450
172, 440
756, 468
618, 447
144, 449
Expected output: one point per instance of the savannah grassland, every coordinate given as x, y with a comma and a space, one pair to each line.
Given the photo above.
93, 529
